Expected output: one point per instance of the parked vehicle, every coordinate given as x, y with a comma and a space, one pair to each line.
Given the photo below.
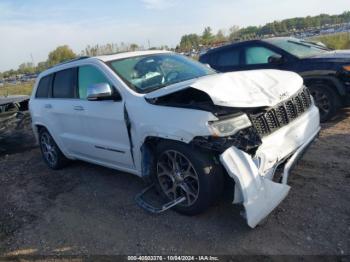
325, 72
178, 124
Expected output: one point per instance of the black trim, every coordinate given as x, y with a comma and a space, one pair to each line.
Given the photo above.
69, 61
110, 149
128, 127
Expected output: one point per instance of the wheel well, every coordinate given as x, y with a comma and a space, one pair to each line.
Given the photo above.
37, 129
148, 155
153, 141
332, 87
325, 81
40, 127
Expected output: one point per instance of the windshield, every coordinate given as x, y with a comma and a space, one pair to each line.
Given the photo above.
298, 48
150, 72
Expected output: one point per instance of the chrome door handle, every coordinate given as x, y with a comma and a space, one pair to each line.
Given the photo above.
78, 108
48, 106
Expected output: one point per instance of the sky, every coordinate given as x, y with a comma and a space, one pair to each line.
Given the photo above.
30, 29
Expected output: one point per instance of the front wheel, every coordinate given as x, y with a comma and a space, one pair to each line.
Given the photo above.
182, 171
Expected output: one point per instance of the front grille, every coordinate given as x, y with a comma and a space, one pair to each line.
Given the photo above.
276, 117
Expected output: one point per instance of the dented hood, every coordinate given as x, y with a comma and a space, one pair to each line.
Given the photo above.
255, 88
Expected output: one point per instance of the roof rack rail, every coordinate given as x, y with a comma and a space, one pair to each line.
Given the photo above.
70, 60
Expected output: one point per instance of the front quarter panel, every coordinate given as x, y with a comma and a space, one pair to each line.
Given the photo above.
180, 124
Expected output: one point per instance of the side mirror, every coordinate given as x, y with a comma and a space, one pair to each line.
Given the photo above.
275, 59
102, 91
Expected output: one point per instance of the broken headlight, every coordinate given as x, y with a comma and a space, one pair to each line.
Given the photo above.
229, 127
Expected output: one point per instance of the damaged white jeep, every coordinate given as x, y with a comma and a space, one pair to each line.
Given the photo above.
178, 123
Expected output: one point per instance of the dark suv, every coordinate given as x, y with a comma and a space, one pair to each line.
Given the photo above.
326, 72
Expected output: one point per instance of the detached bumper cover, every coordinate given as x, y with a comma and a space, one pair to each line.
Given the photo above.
254, 187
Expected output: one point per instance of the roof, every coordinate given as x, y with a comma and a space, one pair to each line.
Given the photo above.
229, 45
278, 38
104, 58
107, 58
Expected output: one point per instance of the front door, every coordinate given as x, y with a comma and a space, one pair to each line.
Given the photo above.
106, 137
257, 57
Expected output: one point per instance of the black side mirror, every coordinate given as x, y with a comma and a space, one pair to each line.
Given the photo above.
275, 59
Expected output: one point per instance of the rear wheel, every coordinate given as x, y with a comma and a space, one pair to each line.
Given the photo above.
51, 154
326, 99
182, 171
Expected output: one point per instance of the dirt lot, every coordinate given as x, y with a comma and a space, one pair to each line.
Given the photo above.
86, 209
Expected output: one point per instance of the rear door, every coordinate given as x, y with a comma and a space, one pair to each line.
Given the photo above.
106, 137
64, 119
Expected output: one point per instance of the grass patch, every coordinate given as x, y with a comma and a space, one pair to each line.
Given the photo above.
18, 89
335, 41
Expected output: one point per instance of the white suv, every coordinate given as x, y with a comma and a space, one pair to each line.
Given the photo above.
186, 128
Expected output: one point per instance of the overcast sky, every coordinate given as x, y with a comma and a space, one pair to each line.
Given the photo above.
38, 26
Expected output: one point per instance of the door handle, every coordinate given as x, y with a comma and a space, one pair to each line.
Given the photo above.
78, 108
48, 106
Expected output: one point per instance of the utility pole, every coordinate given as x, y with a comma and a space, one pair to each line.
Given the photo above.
149, 44
31, 56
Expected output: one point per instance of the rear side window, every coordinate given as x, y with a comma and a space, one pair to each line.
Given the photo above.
44, 87
87, 76
64, 85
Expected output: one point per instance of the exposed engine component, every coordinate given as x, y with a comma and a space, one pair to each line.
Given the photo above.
246, 140
194, 99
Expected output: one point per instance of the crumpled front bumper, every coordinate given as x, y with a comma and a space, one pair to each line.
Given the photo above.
253, 176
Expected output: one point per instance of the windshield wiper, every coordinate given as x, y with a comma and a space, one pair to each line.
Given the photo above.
316, 44
298, 43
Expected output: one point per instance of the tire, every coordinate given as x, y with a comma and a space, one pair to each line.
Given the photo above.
197, 176
326, 99
50, 152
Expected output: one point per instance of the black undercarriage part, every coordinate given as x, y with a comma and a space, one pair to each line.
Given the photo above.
246, 140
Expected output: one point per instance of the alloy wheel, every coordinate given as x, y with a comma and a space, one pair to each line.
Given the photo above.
48, 148
177, 177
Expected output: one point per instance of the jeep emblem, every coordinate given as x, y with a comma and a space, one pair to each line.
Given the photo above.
283, 95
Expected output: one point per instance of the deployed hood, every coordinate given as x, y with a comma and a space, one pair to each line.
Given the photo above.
256, 88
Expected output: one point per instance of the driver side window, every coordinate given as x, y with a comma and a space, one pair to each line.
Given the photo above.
87, 76
257, 55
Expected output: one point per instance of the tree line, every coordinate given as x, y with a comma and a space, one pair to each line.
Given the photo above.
64, 53
297, 24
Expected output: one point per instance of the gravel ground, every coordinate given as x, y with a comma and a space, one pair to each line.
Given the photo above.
86, 209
